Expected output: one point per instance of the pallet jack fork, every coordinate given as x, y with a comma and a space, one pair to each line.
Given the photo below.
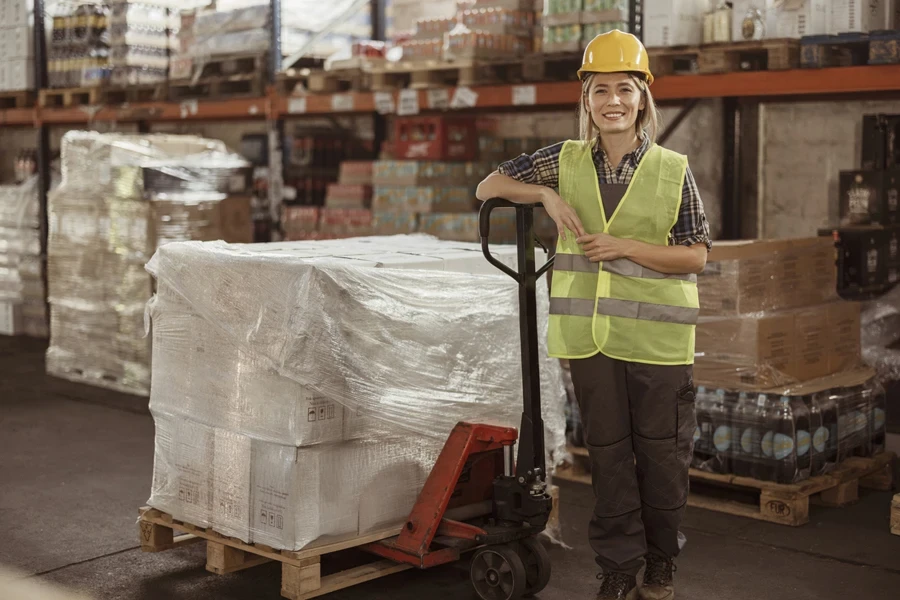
476, 469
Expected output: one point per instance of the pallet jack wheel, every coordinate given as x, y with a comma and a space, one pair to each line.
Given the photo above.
537, 565
498, 573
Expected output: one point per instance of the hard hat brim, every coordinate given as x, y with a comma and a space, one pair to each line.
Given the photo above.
647, 76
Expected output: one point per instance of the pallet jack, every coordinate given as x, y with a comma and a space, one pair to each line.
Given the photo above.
477, 470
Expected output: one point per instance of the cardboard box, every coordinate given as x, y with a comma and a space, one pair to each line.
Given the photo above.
798, 18
673, 22
430, 199
182, 478
745, 277
20, 74
778, 348
16, 13
10, 318
17, 42
861, 16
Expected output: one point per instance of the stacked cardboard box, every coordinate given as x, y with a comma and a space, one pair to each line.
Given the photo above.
301, 428
22, 304
770, 315
120, 198
16, 45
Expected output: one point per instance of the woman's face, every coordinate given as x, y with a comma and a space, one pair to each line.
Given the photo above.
614, 100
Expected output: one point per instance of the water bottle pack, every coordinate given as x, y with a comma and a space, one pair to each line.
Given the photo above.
787, 438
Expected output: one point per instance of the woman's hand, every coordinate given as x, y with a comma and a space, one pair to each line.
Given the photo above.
562, 214
602, 246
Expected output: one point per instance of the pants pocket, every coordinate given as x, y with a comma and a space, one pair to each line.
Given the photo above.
686, 421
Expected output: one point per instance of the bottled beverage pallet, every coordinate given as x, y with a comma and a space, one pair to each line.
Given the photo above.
849, 49
785, 504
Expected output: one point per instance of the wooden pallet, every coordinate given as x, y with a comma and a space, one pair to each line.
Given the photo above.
17, 99
756, 55
334, 81
71, 97
137, 93
226, 65
440, 73
301, 573
848, 49
786, 504
895, 515
252, 84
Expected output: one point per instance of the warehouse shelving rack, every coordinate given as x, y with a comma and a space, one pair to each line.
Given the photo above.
736, 89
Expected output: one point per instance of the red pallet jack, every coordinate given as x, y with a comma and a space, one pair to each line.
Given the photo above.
476, 468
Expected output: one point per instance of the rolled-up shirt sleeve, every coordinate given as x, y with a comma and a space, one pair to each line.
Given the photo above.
540, 168
691, 227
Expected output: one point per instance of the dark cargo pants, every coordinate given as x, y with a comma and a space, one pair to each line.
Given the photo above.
639, 423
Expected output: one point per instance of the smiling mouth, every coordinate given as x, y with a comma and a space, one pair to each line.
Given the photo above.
614, 116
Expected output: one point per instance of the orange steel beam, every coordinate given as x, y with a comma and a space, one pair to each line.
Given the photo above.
760, 84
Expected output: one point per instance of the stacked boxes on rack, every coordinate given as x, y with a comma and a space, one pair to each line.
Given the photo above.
139, 39
277, 423
346, 212
779, 352
570, 24
16, 45
485, 29
691, 22
120, 198
78, 50
22, 305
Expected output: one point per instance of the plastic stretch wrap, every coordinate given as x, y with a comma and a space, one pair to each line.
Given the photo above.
120, 197
336, 370
21, 282
881, 335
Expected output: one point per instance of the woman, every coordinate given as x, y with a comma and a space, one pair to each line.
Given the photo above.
623, 307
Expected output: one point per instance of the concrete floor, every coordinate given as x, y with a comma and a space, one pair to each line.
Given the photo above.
76, 464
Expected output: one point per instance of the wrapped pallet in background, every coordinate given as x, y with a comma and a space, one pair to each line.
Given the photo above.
305, 389
22, 305
121, 197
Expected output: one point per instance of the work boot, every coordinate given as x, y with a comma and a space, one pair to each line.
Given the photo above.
658, 579
617, 586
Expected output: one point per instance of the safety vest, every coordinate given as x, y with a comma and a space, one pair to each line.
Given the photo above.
620, 308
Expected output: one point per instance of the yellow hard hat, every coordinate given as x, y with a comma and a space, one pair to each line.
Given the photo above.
613, 52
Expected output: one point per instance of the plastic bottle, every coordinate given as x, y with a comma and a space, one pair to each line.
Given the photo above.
704, 452
721, 415
876, 416
780, 440
742, 429
818, 433
802, 438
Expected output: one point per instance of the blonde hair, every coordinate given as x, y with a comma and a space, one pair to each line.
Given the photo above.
647, 123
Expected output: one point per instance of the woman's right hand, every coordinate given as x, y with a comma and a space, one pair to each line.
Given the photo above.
562, 214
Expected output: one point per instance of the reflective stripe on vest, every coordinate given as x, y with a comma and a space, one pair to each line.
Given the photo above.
631, 309
580, 263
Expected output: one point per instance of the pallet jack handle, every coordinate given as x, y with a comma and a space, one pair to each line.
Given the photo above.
530, 462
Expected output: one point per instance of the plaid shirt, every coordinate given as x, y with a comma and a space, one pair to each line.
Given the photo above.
542, 168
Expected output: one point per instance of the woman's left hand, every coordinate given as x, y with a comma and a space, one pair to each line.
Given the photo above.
602, 246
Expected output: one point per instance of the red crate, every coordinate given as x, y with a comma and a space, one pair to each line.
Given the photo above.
436, 138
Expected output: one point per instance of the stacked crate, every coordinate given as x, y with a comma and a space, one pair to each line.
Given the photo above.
570, 24
78, 53
121, 197
346, 212
22, 305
